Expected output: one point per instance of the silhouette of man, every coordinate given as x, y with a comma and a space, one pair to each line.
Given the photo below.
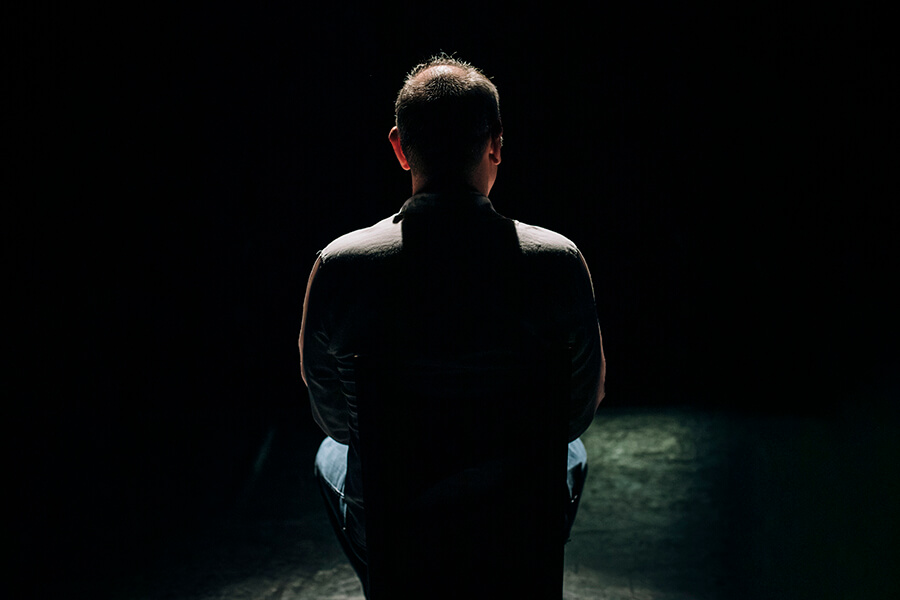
446, 280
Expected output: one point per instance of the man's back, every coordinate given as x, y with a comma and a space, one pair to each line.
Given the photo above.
447, 282
446, 279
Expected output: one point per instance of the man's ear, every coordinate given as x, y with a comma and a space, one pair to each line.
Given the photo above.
494, 149
394, 136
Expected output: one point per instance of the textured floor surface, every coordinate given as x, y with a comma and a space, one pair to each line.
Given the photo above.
680, 504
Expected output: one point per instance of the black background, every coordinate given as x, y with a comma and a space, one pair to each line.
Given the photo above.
724, 171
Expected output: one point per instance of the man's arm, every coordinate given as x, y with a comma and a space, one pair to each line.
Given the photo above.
318, 366
588, 360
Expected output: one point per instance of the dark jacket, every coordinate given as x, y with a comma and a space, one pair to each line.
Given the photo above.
446, 281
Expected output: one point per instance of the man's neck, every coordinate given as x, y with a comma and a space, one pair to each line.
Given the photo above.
443, 187
422, 185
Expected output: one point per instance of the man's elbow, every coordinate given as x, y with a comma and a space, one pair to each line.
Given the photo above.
333, 430
580, 424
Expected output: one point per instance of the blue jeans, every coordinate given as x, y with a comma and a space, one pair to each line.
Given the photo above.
331, 472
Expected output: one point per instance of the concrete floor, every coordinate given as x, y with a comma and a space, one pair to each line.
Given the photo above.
680, 504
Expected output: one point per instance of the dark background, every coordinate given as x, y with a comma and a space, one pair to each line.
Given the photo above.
724, 172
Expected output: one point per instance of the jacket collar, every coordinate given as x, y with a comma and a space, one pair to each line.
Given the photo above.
449, 202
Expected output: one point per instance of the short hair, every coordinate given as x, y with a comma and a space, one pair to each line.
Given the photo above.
446, 117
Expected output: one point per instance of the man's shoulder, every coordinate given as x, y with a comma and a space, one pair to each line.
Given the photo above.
385, 238
535, 240
379, 240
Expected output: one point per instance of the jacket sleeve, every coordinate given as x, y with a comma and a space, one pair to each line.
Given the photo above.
588, 360
318, 365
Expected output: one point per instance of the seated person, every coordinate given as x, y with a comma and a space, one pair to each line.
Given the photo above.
446, 280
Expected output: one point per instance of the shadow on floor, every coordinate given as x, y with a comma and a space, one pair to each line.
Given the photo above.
679, 504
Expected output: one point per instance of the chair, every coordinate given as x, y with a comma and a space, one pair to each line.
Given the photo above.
464, 471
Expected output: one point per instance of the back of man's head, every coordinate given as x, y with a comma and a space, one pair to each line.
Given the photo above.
446, 113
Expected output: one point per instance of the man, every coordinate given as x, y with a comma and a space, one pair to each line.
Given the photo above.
445, 281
